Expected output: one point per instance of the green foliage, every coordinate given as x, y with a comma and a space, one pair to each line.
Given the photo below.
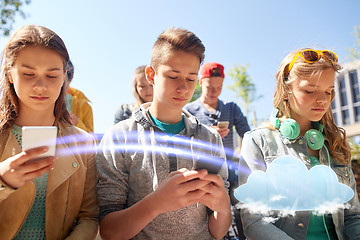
243, 87
197, 92
355, 52
355, 149
9, 9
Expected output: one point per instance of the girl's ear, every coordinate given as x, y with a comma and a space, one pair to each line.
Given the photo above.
150, 74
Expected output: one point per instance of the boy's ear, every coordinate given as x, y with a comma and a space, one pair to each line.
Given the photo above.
150, 74
200, 81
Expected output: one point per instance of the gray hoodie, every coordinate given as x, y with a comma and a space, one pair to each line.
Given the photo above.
134, 158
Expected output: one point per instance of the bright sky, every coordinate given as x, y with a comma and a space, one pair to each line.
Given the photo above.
108, 39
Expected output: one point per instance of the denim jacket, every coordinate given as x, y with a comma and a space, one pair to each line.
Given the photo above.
259, 148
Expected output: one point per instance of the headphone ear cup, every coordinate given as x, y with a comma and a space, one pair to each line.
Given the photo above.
289, 128
314, 139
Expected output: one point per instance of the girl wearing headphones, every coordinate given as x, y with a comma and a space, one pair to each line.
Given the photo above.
51, 197
302, 125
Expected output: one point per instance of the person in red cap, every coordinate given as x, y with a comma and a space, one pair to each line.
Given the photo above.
222, 116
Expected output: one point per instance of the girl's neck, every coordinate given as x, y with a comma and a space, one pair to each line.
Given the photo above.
36, 119
305, 125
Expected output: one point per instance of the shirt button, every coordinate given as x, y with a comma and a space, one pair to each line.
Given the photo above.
74, 164
301, 225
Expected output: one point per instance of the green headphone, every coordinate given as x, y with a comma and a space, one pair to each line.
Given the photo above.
290, 129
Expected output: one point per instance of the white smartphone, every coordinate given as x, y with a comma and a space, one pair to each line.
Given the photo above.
223, 124
33, 136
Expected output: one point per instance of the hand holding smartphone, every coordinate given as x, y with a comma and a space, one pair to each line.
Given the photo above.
223, 124
33, 137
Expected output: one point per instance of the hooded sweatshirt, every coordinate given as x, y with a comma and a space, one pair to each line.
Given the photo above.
135, 157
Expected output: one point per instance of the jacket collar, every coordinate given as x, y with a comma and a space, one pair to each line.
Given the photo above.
192, 124
66, 164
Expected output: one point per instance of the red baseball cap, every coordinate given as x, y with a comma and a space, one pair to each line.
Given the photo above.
207, 70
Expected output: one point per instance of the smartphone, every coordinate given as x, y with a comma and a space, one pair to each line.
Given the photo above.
213, 167
223, 124
33, 136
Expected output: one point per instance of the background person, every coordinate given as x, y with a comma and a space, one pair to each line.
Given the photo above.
146, 194
142, 91
77, 104
36, 203
210, 110
303, 95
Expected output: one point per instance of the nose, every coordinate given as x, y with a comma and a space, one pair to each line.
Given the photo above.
40, 85
321, 98
182, 86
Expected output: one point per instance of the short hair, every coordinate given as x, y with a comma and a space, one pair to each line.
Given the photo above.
174, 39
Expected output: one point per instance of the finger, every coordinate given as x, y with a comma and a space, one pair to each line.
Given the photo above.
195, 185
215, 178
35, 165
24, 156
32, 175
195, 196
177, 172
190, 175
209, 188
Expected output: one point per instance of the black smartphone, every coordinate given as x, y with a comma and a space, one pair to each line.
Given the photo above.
213, 165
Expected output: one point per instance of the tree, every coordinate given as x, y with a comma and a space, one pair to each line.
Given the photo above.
197, 92
243, 87
355, 52
9, 9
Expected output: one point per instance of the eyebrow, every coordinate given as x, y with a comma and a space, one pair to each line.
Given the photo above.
51, 69
175, 71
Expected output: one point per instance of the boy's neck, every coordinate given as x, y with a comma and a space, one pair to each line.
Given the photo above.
210, 106
172, 116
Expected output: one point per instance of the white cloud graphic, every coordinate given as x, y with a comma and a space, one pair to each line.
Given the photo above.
288, 185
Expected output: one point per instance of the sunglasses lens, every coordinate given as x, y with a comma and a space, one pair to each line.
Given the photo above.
311, 56
330, 56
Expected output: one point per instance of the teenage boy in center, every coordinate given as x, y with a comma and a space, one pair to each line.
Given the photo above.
151, 194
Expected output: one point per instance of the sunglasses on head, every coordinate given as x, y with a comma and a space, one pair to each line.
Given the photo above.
311, 56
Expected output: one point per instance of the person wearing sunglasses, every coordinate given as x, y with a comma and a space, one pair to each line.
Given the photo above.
302, 101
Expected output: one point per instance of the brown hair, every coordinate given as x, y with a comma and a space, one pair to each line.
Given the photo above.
138, 70
29, 35
336, 136
175, 39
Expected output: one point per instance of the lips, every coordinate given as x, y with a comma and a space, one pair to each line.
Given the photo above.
318, 109
179, 99
39, 98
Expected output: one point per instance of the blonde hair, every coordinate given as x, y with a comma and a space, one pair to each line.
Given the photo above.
175, 39
336, 136
29, 35
138, 70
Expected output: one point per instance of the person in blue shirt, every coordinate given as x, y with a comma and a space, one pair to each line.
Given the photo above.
210, 110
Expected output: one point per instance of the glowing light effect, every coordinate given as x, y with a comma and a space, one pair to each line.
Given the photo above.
288, 185
130, 142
